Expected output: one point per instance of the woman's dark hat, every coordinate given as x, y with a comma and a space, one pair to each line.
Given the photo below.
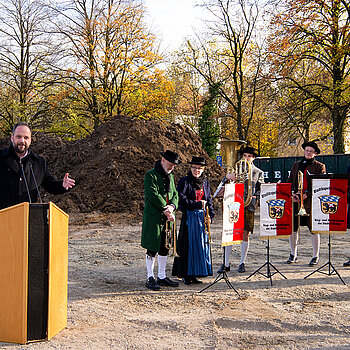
312, 144
171, 157
250, 150
198, 161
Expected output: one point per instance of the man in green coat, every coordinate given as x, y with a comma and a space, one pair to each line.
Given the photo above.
161, 200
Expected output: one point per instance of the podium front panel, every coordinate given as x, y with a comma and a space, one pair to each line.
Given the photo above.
14, 273
38, 261
33, 272
58, 270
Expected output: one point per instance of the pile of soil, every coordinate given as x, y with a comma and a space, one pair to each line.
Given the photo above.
110, 164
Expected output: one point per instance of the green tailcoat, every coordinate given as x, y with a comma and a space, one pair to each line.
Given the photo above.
155, 200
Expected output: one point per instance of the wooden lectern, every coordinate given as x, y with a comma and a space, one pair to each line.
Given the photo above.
33, 272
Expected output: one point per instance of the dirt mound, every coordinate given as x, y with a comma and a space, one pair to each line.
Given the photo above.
110, 164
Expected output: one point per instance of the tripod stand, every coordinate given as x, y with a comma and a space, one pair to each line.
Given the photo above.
328, 263
222, 274
268, 265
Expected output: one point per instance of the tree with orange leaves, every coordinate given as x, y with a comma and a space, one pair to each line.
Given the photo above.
115, 61
315, 33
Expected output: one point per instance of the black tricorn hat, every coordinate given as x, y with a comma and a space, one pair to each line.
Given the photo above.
171, 157
312, 144
198, 161
250, 150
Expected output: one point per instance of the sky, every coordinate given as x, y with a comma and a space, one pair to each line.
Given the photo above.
172, 20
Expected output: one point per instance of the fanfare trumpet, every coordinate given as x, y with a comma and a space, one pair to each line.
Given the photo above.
171, 237
302, 211
207, 225
244, 175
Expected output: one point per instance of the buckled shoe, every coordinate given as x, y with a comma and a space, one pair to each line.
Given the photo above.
196, 281
223, 268
167, 282
187, 280
347, 263
313, 261
152, 284
241, 268
292, 259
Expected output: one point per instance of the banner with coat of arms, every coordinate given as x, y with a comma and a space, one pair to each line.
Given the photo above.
233, 214
329, 206
276, 210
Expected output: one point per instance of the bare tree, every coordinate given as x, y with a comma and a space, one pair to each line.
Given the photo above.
113, 53
187, 99
230, 59
26, 53
315, 33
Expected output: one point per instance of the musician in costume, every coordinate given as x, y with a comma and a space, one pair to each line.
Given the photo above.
347, 263
193, 244
308, 166
161, 201
248, 153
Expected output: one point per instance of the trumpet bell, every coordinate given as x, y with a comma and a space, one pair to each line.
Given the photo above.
302, 212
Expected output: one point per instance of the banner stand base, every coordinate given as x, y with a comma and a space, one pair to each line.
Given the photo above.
329, 264
221, 275
268, 265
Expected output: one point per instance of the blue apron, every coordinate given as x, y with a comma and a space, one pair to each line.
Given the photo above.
199, 258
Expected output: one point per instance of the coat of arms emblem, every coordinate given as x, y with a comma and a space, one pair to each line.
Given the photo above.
234, 212
329, 204
276, 208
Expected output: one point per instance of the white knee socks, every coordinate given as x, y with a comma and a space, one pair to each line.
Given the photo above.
150, 265
293, 241
228, 250
244, 251
315, 240
161, 266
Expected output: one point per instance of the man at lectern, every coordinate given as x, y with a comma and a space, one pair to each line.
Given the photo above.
307, 166
22, 172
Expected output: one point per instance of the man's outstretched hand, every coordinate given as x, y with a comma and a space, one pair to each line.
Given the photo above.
68, 182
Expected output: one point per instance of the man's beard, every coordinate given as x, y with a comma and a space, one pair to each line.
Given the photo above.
20, 151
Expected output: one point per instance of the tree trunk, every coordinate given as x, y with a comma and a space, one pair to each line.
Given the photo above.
338, 130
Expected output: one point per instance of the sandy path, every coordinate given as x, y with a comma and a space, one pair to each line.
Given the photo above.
109, 306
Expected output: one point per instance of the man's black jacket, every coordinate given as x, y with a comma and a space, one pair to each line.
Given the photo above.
12, 185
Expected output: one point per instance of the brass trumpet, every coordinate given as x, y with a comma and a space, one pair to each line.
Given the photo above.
244, 175
302, 211
207, 225
171, 238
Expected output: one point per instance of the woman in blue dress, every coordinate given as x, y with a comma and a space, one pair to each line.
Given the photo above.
193, 244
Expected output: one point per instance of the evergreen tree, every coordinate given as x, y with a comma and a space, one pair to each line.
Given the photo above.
209, 130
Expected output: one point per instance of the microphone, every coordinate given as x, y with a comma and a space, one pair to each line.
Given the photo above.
25, 181
36, 184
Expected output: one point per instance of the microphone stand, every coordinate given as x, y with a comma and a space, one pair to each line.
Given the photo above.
36, 184
25, 181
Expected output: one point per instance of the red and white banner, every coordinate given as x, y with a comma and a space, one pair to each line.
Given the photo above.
233, 214
276, 210
328, 209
